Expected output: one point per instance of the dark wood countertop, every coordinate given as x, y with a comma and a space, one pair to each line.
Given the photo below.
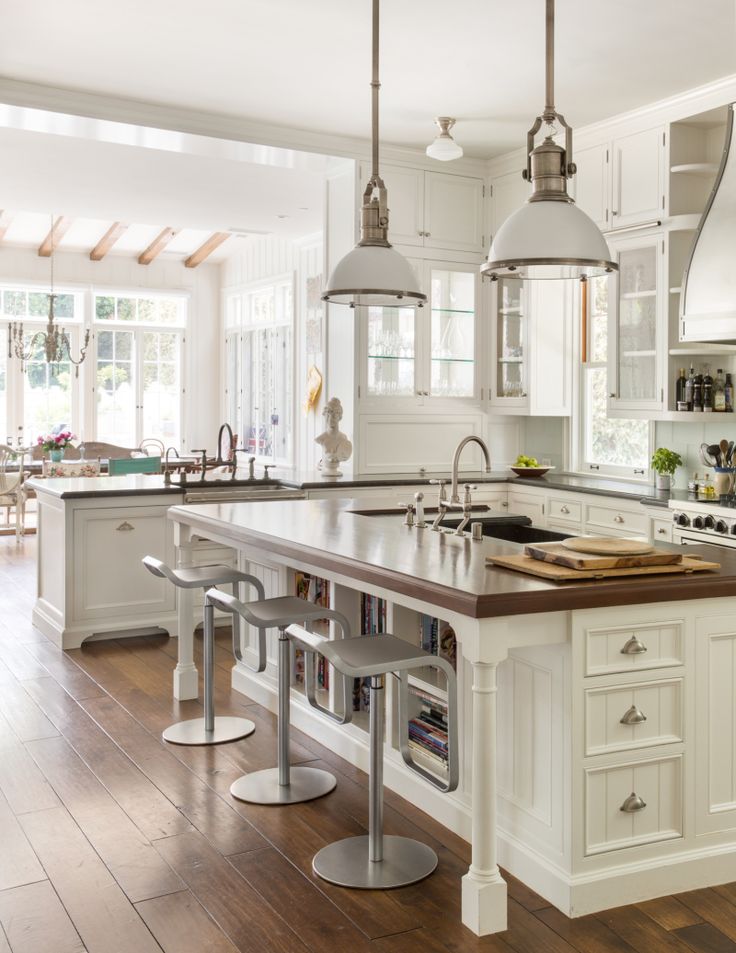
443, 570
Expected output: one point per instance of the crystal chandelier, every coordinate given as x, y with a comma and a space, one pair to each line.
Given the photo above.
54, 340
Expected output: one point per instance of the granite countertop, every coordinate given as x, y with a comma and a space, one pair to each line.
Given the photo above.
441, 570
134, 484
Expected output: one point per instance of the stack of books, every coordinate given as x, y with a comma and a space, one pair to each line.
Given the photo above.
373, 621
428, 731
315, 590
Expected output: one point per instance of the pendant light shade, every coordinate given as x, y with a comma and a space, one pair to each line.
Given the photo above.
444, 146
374, 274
549, 236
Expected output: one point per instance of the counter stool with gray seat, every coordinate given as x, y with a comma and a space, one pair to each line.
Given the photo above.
378, 861
286, 784
209, 730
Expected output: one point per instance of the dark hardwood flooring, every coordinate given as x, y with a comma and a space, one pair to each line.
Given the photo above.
113, 842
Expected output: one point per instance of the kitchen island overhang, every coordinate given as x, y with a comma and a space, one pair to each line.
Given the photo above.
559, 815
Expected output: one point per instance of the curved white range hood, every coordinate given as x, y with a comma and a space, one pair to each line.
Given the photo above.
708, 298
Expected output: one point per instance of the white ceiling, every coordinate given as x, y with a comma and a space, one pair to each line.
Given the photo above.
306, 64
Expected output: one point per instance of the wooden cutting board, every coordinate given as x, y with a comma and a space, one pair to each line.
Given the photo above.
608, 546
554, 573
562, 556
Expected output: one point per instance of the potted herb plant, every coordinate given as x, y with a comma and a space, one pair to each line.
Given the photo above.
56, 444
664, 463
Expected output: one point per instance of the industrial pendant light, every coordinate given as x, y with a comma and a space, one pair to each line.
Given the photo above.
374, 274
444, 146
549, 236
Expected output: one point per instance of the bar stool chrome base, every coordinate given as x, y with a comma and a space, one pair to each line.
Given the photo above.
193, 732
346, 863
262, 787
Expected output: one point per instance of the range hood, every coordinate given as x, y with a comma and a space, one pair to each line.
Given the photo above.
708, 297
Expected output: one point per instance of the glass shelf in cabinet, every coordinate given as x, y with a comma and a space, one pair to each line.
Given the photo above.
513, 312
454, 360
451, 311
390, 357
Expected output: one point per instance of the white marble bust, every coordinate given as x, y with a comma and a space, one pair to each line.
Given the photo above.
336, 448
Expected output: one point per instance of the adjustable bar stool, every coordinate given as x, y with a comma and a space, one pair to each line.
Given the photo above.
378, 861
286, 784
209, 730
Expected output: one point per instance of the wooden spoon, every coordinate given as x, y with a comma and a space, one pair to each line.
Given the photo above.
724, 452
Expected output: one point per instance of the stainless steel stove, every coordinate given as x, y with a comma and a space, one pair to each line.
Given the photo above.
704, 521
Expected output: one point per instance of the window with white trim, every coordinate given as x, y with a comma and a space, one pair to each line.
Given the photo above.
138, 360
608, 445
259, 363
37, 398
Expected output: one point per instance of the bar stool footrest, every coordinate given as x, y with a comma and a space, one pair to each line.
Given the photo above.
193, 732
262, 787
346, 863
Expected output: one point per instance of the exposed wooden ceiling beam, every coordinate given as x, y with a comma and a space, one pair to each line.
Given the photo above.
58, 231
104, 245
157, 246
206, 249
6, 220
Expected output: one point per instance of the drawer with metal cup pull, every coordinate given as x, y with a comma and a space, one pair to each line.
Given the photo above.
639, 802
621, 520
627, 648
634, 715
566, 510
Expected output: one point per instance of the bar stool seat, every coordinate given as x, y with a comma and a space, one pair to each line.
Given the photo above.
285, 784
211, 729
378, 861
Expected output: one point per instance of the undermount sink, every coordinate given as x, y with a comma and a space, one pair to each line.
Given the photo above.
513, 532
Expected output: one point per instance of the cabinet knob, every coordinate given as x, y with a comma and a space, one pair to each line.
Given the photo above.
612, 395
633, 716
632, 804
427, 235
618, 518
633, 647
564, 509
125, 527
662, 531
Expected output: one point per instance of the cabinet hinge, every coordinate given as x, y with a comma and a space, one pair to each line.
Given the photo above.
484, 191
606, 156
661, 394
663, 246
663, 202
664, 138
358, 390
542, 509
491, 188
483, 240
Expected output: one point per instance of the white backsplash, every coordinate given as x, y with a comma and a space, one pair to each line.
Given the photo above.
686, 438
543, 438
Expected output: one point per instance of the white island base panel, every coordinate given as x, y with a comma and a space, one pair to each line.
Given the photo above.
564, 763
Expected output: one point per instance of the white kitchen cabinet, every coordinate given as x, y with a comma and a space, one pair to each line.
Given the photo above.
527, 504
623, 182
432, 209
531, 347
508, 193
638, 178
590, 184
637, 333
409, 358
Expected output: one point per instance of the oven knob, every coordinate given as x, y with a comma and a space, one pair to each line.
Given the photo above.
709, 522
698, 522
682, 519
721, 526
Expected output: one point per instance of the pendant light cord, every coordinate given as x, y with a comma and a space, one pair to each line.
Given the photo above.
375, 86
549, 106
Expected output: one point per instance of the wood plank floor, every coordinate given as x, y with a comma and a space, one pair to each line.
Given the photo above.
112, 842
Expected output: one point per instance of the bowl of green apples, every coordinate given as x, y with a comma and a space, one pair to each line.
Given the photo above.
525, 466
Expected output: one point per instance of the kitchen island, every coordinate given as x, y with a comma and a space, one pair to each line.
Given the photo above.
598, 752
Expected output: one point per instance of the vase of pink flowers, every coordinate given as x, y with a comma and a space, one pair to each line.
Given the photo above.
55, 444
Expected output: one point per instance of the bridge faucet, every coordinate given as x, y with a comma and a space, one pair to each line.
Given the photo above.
229, 429
454, 496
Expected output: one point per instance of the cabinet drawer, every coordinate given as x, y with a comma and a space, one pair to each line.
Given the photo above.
662, 531
565, 510
621, 520
627, 648
657, 816
625, 717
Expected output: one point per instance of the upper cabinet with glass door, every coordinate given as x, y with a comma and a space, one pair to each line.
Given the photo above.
637, 333
409, 355
509, 378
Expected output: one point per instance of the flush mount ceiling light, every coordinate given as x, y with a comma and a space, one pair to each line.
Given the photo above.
444, 146
374, 274
549, 236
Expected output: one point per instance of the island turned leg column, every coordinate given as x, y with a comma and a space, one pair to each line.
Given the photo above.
483, 887
186, 682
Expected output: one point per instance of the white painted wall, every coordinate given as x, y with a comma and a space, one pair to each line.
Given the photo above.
201, 406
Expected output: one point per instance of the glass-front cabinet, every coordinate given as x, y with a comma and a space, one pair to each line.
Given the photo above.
412, 356
637, 331
509, 349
